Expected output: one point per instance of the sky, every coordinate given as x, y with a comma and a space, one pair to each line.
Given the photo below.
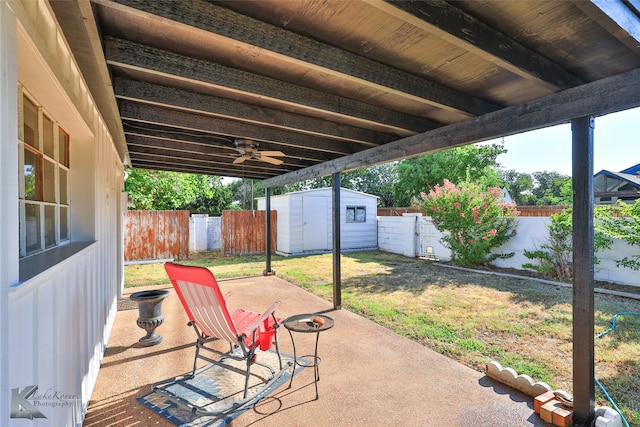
616, 146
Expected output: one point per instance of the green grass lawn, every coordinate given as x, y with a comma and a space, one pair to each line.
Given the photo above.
470, 317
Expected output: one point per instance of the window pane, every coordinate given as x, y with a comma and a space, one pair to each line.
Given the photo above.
32, 175
47, 136
351, 214
32, 227
63, 186
64, 223
30, 123
49, 184
49, 226
63, 147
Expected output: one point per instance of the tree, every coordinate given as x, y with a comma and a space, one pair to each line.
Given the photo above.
378, 180
552, 188
211, 196
162, 190
473, 163
519, 185
473, 221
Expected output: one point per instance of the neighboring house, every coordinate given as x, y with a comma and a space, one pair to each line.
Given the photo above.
304, 221
61, 267
609, 187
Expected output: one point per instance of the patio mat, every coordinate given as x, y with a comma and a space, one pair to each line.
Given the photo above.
217, 386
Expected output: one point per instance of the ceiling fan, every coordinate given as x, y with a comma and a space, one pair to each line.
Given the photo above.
249, 150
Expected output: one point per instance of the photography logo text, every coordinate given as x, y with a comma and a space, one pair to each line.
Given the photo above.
26, 403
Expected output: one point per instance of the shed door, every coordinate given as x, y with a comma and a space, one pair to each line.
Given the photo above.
314, 223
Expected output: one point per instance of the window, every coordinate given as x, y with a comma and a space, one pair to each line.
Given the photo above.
44, 178
356, 214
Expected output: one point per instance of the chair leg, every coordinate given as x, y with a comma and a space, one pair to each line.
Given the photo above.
248, 373
277, 327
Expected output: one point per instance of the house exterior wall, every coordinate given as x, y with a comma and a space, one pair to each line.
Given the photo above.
55, 321
291, 220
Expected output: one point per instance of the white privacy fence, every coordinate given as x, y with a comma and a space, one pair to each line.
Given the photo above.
414, 235
205, 233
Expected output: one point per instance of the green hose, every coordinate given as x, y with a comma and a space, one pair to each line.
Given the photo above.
613, 326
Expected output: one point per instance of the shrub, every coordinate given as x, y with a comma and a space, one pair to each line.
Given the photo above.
621, 221
555, 256
473, 221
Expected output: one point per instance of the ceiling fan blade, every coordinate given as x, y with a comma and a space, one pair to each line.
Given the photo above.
272, 153
270, 160
239, 160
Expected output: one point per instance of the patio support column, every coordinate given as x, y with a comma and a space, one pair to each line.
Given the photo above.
337, 285
267, 197
583, 271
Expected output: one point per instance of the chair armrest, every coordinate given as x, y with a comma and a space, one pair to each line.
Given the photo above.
256, 323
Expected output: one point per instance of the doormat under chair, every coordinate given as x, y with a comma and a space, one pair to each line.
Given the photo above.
217, 387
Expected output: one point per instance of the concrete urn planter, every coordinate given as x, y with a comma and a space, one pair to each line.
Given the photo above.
150, 314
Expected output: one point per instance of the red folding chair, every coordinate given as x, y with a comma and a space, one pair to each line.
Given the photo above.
244, 330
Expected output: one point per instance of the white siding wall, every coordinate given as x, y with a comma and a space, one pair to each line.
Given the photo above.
358, 235
289, 236
8, 192
55, 325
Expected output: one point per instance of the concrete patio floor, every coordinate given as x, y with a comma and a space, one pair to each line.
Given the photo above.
369, 375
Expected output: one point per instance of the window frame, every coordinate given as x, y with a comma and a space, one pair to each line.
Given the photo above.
47, 220
354, 218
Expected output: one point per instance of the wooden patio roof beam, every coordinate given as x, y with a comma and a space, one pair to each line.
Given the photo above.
264, 40
175, 118
163, 96
619, 18
166, 148
463, 30
604, 96
257, 89
157, 164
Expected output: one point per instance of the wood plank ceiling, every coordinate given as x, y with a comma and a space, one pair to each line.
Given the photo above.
322, 80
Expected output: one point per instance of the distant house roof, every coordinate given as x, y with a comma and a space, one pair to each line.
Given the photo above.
633, 170
624, 184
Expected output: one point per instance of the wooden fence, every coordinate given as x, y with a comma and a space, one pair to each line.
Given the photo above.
244, 232
150, 235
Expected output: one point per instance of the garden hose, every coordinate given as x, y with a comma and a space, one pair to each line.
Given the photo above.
606, 394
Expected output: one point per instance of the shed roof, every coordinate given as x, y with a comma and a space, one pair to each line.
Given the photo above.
324, 190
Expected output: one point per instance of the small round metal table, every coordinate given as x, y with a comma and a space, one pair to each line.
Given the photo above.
303, 323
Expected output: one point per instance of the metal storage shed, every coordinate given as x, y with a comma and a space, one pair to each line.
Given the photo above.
304, 221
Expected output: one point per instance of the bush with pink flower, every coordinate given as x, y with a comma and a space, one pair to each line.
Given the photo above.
474, 221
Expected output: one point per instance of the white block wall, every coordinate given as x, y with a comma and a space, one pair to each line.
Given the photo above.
397, 234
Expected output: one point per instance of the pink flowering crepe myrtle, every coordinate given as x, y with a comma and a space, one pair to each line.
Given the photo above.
473, 221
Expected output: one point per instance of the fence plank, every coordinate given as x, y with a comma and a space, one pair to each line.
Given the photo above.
244, 232
156, 235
